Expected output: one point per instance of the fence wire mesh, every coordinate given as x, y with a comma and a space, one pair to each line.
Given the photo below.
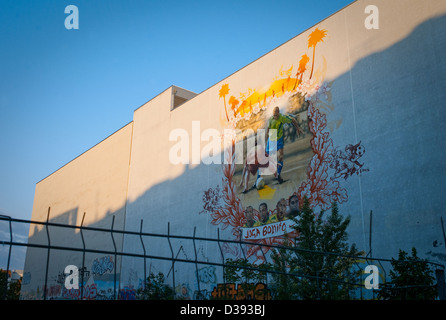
261, 272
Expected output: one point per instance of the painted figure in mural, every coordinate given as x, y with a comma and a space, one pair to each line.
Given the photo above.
249, 215
293, 202
346, 163
264, 215
276, 122
281, 212
256, 158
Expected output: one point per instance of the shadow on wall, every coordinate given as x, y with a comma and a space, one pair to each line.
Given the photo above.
98, 271
397, 104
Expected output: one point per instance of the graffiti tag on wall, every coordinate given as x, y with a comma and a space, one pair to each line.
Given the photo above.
250, 291
102, 265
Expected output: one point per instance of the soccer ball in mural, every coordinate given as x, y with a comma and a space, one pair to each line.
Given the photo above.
260, 183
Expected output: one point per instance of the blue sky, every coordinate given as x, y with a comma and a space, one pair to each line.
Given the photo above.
63, 91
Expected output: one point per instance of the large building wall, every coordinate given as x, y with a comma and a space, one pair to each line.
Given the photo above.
371, 105
374, 101
94, 184
397, 79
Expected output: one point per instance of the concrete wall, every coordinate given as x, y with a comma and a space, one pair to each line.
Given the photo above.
397, 103
375, 100
94, 184
370, 103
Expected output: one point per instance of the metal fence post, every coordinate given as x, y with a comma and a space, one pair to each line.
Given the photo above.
48, 254
83, 256
10, 246
173, 259
196, 264
222, 256
144, 250
116, 262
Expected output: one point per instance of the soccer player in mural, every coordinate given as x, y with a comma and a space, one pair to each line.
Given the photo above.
256, 158
249, 215
264, 215
276, 122
293, 205
281, 210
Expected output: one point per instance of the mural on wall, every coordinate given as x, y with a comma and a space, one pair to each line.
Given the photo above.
309, 165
